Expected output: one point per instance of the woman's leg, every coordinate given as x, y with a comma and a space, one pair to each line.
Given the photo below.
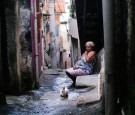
72, 74
73, 78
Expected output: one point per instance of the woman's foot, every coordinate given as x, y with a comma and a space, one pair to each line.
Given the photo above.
71, 76
71, 86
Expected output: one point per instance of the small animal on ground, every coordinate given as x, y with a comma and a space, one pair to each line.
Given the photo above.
64, 92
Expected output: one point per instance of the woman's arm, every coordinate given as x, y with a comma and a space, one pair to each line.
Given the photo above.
90, 56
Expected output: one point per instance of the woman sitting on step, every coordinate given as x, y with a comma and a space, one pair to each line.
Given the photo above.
85, 64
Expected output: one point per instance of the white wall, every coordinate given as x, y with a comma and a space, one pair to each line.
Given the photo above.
73, 28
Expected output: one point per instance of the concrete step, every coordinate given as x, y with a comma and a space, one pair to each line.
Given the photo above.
87, 80
92, 96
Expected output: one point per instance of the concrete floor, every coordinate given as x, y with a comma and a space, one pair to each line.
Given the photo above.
47, 100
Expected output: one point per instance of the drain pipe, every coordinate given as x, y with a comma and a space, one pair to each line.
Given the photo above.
32, 18
34, 41
36, 44
108, 24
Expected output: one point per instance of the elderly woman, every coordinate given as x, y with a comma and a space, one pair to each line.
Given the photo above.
85, 64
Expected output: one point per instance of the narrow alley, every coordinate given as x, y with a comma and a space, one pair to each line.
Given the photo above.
53, 34
47, 100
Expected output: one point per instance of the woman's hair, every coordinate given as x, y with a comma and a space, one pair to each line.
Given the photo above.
90, 43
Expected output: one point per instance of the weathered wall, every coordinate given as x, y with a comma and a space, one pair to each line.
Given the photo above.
131, 54
25, 45
75, 42
2, 96
66, 46
125, 54
9, 49
0, 59
16, 46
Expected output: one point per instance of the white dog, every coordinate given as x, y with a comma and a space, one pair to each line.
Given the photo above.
64, 92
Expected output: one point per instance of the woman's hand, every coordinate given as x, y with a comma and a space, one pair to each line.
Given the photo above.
89, 56
74, 67
86, 53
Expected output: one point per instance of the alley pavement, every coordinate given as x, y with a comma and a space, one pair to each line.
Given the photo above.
82, 100
86, 86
